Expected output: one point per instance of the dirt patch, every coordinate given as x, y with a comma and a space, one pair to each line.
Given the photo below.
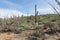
7, 36
24, 35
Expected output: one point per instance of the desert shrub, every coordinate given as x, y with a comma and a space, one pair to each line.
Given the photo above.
34, 36
58, 39
59, 25
18, 30
1, 21
53, 20
51, 27
37, 35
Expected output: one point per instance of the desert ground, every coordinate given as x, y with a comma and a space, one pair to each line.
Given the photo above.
24, 35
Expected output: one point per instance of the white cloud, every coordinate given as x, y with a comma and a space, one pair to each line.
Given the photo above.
45, 10
48, 10
9, 13
59, 0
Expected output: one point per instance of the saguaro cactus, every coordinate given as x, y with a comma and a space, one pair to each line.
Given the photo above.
36, 15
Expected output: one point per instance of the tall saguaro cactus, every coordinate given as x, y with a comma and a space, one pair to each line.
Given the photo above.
36, 15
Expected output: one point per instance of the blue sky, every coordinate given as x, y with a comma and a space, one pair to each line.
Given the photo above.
19, 7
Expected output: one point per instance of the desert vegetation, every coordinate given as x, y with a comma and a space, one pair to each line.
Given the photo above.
34, 27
